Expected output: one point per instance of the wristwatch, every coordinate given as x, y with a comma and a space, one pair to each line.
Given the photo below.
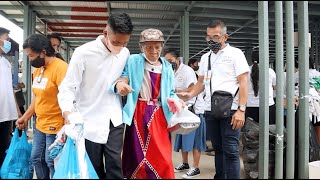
242, 108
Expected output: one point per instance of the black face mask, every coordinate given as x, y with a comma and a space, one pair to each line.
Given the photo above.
196, 68
174, 65
38, 62
214, 46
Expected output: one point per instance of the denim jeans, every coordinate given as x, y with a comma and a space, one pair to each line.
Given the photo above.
43, 164
226, 143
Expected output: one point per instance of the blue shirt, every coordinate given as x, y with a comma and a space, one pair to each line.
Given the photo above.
134, 70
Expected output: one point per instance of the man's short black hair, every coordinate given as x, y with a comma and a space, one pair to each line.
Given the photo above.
54, 35
192, 61
173, 52
120, 23
4, 31
37, 43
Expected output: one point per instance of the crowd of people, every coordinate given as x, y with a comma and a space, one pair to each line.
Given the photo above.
123, 99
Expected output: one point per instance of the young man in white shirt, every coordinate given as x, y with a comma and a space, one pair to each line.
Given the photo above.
9, 109
93, 68
229, 73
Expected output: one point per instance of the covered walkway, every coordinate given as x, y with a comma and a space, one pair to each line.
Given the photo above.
276, 28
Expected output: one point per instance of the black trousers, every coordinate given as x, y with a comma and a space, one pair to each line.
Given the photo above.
5, 139
253, 112
111, 151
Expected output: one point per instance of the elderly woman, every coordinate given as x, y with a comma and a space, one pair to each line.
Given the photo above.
147, 149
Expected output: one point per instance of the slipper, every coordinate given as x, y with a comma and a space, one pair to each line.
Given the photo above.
212, 153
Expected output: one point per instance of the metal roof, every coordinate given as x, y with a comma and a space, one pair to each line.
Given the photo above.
81, 21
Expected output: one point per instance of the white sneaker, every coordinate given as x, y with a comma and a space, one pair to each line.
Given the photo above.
181, 167
193, 172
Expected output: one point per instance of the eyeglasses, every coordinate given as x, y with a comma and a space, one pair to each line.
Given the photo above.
214, 38
40, 75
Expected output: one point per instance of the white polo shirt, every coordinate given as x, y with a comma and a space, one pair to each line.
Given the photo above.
8, 110
253, 101
90, 75
199, 106
226, 66
184, 76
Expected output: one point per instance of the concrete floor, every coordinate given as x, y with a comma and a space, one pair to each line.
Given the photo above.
206, 163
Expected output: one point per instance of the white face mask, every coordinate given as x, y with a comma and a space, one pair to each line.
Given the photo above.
150, 62
144, 55
6, 46
114, 49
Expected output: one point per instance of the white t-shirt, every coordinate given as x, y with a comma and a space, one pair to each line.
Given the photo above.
226, 66
200, 104
8, 110
184, 76
253, 101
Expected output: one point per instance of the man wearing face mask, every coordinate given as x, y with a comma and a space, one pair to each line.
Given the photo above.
223, 74
93, 68
47, 76
9, 109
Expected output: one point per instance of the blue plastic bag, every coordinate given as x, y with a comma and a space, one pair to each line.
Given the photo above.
68, 164
17, 163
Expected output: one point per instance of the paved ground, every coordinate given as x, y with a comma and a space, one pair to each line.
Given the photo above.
206, 164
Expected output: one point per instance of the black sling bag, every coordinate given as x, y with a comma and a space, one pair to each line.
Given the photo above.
221, 101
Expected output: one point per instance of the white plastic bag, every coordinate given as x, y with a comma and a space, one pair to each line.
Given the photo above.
314, 170
183, 122
74, 131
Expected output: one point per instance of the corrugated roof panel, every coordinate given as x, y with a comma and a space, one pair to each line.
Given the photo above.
153, 24
74, 27
155, 16
77, 3
77, 21
5, 3
149, 6
139, 6
19, 20
84, 21
76, 13
37, 3
12, 11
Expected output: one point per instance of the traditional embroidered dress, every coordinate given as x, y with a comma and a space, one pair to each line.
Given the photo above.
151, 155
